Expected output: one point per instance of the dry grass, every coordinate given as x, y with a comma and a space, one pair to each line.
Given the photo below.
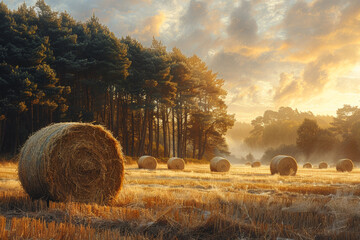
195, 204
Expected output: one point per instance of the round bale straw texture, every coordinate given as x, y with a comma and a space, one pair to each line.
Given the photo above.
323, 165
284, 165
147, 162
344, 165
248, 163
176, 163
219, 164
256, 164
72, 161
307, 165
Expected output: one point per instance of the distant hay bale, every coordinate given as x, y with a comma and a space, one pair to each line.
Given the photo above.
147, 162
344, 165
219, 164
72, 161
176, 163
248, 163
284, 165
323, 165
256, 164
307, 165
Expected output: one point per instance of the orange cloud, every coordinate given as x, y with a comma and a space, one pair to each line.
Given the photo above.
317, 76
319, 27
289, 87
149, 27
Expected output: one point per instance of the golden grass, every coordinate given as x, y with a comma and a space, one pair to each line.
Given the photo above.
195, 203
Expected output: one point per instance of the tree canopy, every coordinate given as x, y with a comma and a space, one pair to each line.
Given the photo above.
54, 69
276, 128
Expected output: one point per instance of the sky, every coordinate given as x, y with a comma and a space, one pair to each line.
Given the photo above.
298, 53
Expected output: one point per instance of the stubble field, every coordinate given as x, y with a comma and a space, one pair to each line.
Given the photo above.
245, 203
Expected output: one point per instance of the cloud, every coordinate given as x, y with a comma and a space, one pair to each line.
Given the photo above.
289, 87
198, 30
149, 28
318, 76
240, 69
320, 26
84, 9
196, 15
243, 27
324, 36
250, 93
327, 67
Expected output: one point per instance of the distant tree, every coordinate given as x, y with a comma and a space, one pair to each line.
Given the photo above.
275, 128
250, 157
325, 141
350, 145
346, 126
345, 118
307, 136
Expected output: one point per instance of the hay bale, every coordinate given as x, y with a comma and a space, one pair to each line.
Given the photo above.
323, 165
256, 164
284, 165
307, 165
176, 163
147, 162
72, 161
219, 164
344, 165
248, 163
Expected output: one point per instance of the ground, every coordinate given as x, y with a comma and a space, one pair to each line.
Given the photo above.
245, 203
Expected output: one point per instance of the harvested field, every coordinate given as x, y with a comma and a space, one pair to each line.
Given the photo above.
195, 203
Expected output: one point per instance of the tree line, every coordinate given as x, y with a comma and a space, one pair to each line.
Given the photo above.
306, 136
55, 69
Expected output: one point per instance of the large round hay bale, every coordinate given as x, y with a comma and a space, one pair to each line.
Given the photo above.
284, 165
256, 164
72, 161
323, 165
344, 165
307, 165
147, 162
176, 163
219, 164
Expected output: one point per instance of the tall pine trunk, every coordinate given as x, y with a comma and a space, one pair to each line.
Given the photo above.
118, 116
199, 144
124, 120
31, 117
143, 133
204, 146
173, 132
185, 135
2, 133
111, 112
157, 130
150, 146
179, 135
164, 125
16, 134
168, 132
132, 134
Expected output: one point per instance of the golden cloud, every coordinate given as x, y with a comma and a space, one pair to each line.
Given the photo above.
150, 27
